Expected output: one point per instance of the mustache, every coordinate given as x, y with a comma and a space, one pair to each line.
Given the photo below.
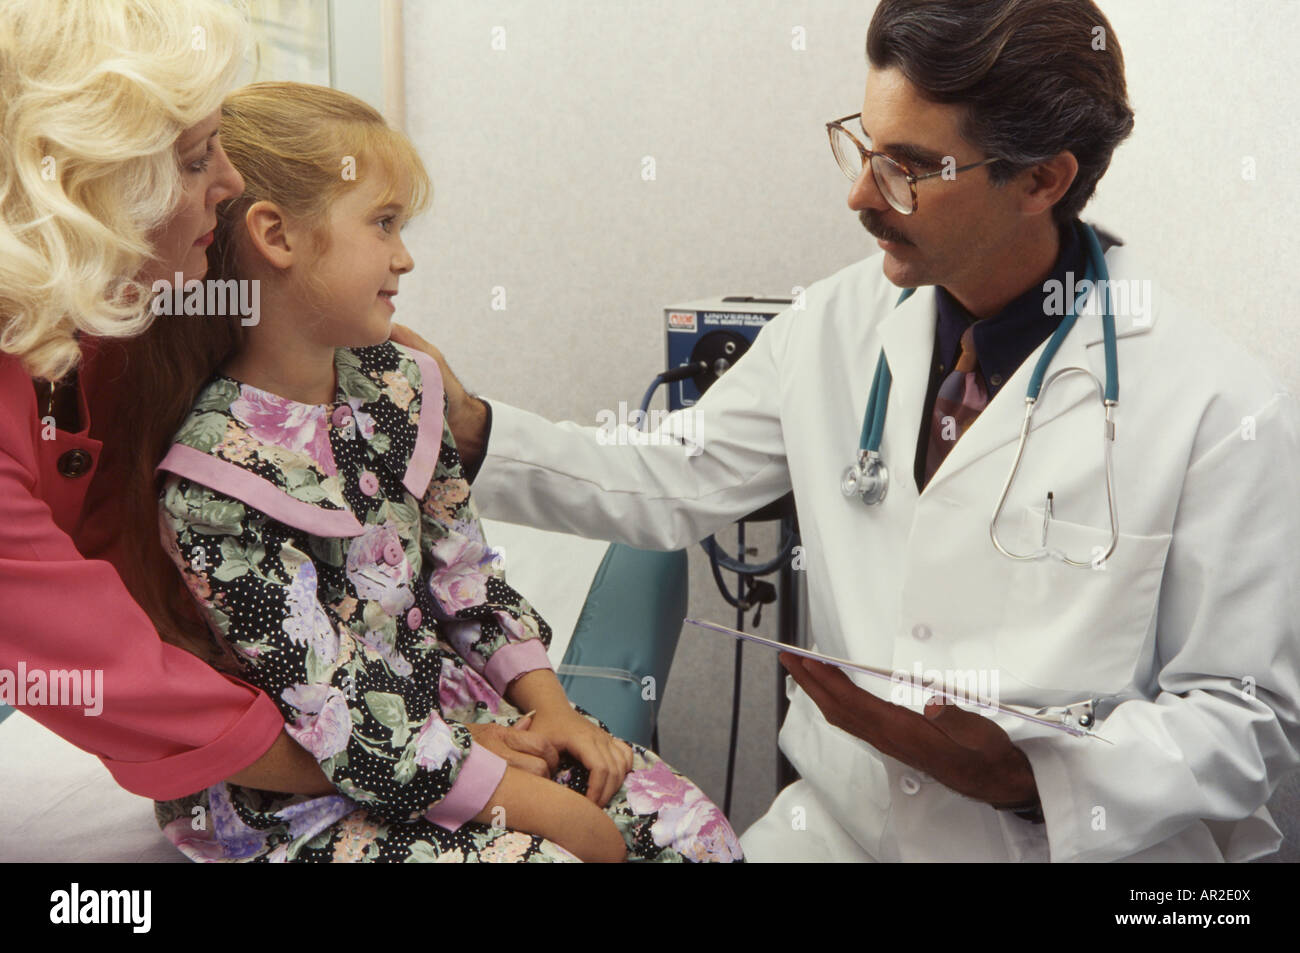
875, 227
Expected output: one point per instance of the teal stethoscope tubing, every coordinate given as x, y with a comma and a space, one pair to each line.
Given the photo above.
873, 423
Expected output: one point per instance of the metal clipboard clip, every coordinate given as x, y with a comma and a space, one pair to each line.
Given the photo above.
1079, 719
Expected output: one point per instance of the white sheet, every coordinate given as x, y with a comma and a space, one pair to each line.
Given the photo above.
58, 803
553, 571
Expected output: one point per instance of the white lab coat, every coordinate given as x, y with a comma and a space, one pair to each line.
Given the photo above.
1194, 617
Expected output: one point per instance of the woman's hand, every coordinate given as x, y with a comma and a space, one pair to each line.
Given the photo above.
520, 748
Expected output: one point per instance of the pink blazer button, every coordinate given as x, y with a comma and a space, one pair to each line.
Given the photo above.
369, 483
342, 414
393, 553
413, 618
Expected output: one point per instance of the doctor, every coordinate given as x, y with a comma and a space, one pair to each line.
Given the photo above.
1185, 632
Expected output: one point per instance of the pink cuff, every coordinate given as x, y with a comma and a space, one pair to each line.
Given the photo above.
513, 660
178, 775
479, 776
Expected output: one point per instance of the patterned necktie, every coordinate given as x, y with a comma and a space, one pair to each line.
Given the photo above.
961, 397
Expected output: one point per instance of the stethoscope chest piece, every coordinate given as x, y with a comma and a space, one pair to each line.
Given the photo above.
868, 478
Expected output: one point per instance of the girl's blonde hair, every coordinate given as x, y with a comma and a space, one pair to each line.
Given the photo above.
94, 95
300, 147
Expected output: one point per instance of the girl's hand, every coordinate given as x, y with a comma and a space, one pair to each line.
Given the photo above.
606, 758
520, 748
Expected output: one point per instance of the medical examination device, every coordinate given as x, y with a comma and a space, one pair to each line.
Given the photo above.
704, 339
868, 477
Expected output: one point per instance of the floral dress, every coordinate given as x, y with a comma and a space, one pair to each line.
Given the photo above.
338, 559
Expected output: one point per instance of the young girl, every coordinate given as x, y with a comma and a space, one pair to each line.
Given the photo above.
315, 505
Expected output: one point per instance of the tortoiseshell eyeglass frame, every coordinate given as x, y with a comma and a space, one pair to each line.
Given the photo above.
867, 155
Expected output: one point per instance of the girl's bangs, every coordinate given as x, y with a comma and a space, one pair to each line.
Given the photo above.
400, 161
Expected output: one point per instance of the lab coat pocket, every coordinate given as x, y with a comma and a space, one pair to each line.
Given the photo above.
1078, 630
849, 778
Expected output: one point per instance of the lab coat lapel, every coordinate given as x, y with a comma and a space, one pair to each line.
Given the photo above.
907, 337
1000, 422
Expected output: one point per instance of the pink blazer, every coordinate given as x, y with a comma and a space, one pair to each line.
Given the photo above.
170, 725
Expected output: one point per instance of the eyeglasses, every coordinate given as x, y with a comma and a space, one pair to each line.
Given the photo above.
897, 183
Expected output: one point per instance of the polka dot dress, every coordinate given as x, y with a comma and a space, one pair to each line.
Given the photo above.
373, 644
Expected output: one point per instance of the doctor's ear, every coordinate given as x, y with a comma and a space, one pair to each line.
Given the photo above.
1046, 183
270, 233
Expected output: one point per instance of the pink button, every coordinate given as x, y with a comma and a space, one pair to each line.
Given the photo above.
342, 414
393, 553
413, 618
369, 483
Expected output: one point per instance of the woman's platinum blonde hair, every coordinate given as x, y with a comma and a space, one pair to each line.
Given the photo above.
94, 95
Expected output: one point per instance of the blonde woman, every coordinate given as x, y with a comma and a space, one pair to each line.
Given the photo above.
109, 180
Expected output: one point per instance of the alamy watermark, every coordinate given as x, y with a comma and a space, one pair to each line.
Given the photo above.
621, 429
78, 906
970, 686
1126, 297
54, 688
214, 297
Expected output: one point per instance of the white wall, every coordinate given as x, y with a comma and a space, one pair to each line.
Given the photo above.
536, 152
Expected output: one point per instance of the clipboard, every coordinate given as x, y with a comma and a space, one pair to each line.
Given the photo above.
1073, 719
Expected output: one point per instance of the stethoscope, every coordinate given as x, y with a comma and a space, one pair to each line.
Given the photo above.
868, 477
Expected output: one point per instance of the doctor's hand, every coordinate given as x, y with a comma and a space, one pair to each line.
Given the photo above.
466, 415
960, 749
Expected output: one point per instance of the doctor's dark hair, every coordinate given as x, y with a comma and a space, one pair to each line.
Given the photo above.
1028, 72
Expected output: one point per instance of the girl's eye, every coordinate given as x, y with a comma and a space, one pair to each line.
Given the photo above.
386, 223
